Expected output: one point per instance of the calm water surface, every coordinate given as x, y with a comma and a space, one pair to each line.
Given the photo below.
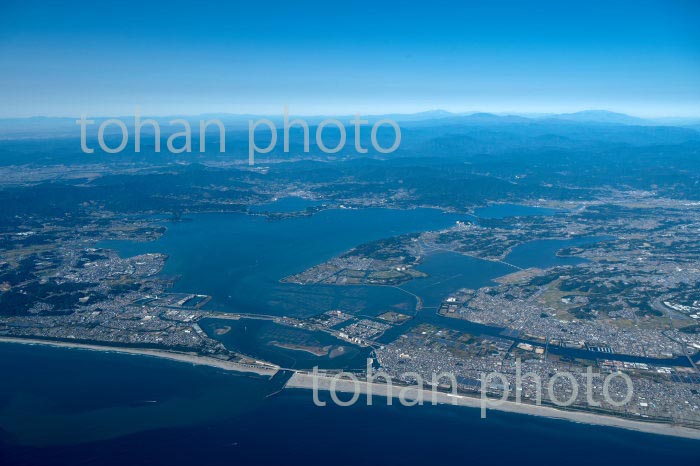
62, 406
110, 409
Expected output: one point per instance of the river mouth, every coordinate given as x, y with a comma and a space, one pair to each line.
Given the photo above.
240, 259
288, 347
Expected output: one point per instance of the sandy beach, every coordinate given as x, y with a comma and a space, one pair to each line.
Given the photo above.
300, 380
267, 370
305, 381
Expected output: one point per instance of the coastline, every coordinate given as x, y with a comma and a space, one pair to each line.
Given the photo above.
178, 356
304, 381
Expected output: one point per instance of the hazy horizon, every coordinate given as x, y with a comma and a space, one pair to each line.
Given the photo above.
319, 58
342, 113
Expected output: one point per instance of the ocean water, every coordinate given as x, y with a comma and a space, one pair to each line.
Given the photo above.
63, 406
112, 409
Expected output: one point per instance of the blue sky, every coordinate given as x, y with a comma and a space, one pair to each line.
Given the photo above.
68, 58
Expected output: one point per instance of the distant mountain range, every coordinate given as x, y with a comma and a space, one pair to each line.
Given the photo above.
585, 116
601, 116
561, 124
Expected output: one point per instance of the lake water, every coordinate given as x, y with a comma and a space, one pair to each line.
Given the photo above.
240, 259
448, 272
101, 408
285, 346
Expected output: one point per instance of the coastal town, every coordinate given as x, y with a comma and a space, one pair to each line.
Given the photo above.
594, 277
540, 320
